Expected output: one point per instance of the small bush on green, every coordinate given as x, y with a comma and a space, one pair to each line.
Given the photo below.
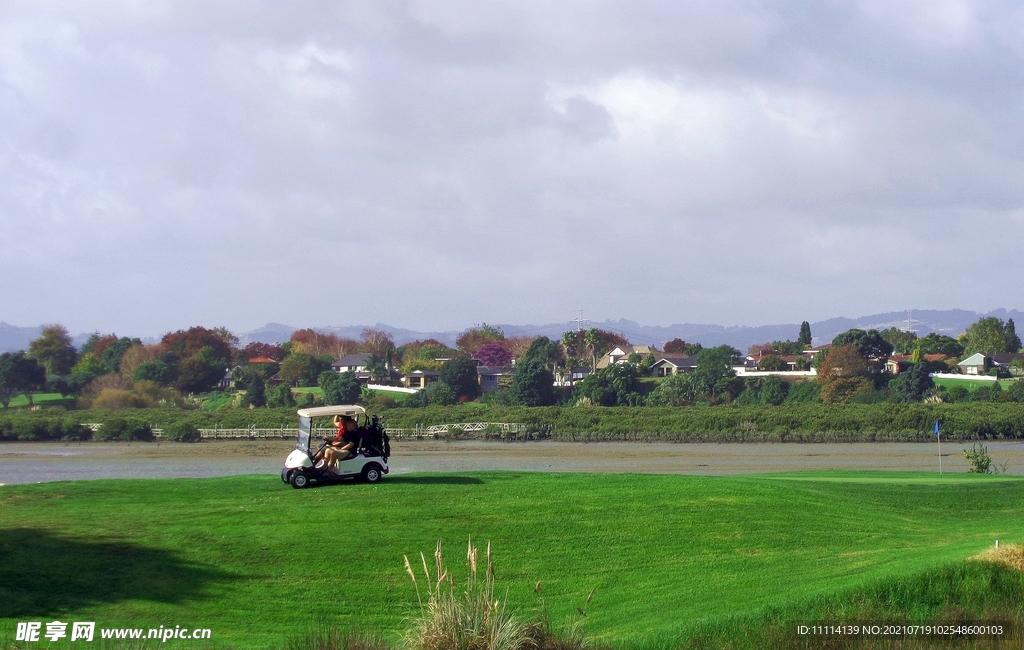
183, 432
979, 460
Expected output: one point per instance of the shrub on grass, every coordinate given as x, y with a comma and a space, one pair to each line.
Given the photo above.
805, 392
438, 393
979, 460
281, 397
37, 430
76, 432
379, 401
41, 429
110, 430
183, 432
125, 429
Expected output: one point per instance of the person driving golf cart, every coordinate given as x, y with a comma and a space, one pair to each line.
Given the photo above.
359, 449
344, 441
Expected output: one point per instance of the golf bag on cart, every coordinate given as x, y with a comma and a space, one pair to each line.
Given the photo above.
374, 439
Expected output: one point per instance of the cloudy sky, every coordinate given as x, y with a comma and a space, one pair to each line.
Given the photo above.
432, 164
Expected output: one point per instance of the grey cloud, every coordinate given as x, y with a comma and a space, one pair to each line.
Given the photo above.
167, 164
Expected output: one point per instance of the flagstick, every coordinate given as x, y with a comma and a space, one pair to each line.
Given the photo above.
939, 441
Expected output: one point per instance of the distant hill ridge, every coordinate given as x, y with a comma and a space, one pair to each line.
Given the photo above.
950, 322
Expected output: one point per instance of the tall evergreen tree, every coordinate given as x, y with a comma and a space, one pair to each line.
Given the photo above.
532, 385
805, 334
255, 392
1012, 340
460, 373
912, 385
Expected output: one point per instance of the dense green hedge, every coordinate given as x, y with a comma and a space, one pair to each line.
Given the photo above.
54, 426
786, 423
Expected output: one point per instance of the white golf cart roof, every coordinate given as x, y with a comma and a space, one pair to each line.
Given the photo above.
328, 411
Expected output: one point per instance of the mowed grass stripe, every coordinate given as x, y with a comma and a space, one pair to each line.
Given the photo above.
662, 552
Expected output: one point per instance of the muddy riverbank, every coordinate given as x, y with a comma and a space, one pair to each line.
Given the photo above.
32, 462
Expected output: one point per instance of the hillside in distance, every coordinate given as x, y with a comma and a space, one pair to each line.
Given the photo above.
950, 322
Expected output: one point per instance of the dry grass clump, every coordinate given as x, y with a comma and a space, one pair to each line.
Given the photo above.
469, 619
540, 635
330, 638
453, 618
1011, 555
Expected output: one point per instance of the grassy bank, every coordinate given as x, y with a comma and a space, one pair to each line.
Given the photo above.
45, 400
670, 557
972, 384
726, 423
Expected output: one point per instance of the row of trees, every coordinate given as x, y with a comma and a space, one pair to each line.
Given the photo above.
112, 371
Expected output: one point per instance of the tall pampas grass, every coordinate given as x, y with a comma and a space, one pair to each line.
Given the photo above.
463, 618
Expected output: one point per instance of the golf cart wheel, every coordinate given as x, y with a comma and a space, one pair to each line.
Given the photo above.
299, 480
371, 474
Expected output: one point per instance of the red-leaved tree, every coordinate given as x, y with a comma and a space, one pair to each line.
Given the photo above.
492, 354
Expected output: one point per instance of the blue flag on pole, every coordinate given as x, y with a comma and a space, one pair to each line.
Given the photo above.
936, 428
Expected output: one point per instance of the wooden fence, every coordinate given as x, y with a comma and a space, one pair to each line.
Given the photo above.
469, 430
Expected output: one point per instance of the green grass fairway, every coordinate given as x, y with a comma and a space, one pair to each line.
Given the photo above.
42, 399
894, 478
259, 562
972, 384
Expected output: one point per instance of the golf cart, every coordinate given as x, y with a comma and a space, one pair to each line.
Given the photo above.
369, 458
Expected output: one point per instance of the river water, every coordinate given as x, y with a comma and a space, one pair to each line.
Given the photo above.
41, 462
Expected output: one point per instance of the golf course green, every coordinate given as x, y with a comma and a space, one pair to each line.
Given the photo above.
260, 563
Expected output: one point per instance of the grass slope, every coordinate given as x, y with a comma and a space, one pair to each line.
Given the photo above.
259, 562
42, 399
972, 384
